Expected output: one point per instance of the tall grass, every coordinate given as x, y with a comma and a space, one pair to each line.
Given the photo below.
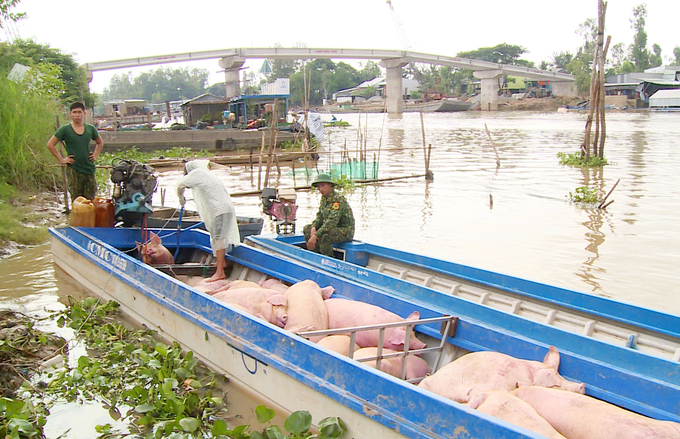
27, 120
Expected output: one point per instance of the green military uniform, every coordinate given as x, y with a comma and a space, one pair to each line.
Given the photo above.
334, 223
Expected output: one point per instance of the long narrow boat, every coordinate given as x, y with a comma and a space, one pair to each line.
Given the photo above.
446, 283
292, 373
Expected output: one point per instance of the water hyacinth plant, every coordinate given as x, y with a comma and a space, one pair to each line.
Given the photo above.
153, 387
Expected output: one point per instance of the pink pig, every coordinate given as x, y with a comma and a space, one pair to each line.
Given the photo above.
266, 304
232, 285
338, 343
154, 253
509, 408
485, 371
343, 313
274, 284
416, 367
579, 416
306, 308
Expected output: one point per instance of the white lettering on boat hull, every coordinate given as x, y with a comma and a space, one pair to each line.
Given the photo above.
106, 255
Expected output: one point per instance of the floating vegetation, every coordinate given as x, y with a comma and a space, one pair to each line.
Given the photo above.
583, 195
337, 123
150, 386
577, 159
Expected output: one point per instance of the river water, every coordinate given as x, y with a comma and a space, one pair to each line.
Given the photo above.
515, 218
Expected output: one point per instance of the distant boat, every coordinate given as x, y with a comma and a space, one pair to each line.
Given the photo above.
445, 105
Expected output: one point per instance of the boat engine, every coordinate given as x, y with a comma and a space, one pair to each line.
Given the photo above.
133, 186
280, 206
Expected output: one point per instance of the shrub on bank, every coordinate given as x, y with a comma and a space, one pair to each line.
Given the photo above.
27, 121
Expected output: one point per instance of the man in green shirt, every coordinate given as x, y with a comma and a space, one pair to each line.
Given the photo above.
333, 223
79, 160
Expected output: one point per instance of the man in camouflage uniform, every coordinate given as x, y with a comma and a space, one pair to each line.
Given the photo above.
333, 223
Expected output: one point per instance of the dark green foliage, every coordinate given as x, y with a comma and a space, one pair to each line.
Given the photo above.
583, 195
159, 85
152, 386
501, 53
31, 53
639, 53
578, 159
27, 120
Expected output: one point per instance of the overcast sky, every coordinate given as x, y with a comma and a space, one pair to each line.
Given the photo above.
96, 30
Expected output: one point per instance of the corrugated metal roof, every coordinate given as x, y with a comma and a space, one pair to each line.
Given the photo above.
665, 98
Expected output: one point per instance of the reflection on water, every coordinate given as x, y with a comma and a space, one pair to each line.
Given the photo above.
628, 252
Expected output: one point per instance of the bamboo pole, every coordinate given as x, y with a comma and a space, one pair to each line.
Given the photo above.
603, 130
493, 145
259, 172
602, 205
272, 145
63, 170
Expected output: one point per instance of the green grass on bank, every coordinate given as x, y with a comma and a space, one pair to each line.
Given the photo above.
20, 221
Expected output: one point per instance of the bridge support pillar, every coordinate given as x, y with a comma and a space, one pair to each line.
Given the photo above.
232, 66
489, 97
394, 90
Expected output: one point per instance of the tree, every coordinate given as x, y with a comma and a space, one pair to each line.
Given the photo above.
159, 85
581, 64
560, 60
639, 52
676, 53
655, 58
7, 17
30, 53
501, 53
369, 71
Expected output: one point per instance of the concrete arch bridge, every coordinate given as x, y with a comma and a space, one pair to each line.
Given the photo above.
231, 60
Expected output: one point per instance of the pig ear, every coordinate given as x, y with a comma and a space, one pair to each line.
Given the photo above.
547, 378
415, 315
476, 397
139, 245
278, 300
155, 239
327, 292
398, 337
552, 358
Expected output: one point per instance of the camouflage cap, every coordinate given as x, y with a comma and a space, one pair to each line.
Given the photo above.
323, 178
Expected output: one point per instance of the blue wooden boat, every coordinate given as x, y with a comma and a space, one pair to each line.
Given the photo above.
292, 373
446, 283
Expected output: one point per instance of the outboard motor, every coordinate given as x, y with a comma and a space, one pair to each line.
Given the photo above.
280, 206
133, 186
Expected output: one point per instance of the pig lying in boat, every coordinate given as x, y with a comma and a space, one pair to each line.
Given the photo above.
269, 305
579, 416
343, 313
486, 371
416, 367
504, 405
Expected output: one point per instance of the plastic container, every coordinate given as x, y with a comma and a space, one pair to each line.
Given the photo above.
82, 214
103, 212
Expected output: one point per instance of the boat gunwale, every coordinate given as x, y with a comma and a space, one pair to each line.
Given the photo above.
650, 316
386, 414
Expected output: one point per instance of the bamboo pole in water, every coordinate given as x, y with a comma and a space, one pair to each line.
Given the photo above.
272, 145
603, 128
602, 205
596, 97
259, 172
493, 145
63, 171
